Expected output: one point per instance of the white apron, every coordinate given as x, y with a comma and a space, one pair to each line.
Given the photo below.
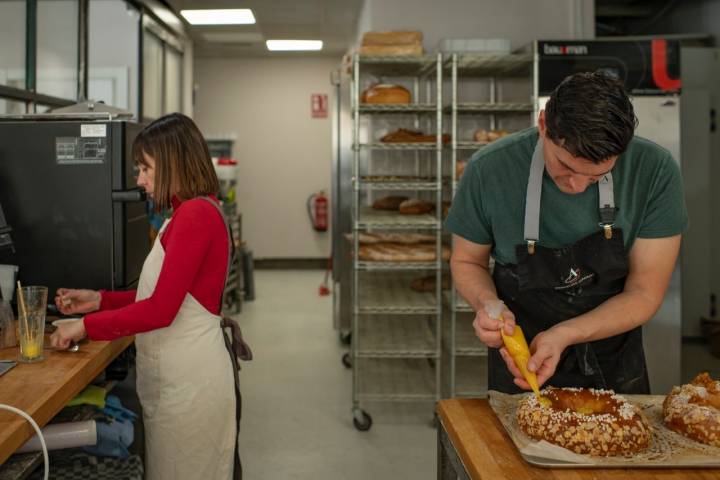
186, 387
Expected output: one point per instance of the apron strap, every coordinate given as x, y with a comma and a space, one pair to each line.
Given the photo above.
532, 197
236, 345
534, 194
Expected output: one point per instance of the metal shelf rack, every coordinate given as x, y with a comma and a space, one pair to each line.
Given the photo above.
396, 332
467, 375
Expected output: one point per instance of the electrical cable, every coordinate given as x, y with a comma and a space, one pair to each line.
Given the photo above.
37, 430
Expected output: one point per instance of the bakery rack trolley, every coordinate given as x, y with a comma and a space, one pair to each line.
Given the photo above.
398, 360
500, 74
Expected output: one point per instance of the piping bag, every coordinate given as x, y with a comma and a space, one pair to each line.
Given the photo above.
516, 346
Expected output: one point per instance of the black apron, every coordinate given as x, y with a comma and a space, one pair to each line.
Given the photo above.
551, 285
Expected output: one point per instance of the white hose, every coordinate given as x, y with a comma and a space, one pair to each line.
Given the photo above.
37, 430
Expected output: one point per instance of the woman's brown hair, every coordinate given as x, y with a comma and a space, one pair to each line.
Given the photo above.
182, 159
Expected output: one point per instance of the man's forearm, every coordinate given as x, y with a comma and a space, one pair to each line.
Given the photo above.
616, 315
474, 283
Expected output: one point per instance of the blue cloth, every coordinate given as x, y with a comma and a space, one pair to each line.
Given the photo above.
117, 433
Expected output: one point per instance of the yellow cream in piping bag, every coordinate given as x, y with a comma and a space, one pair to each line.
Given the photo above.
517, 347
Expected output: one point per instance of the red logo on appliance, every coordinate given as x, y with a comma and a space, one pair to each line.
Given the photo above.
660, 74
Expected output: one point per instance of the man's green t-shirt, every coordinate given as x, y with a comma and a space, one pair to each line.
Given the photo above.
489, 205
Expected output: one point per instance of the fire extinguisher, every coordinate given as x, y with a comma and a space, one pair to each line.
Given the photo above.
317, 208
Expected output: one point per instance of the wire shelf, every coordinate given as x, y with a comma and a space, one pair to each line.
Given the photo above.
391, 294
492, 65
397, 380
471, 377
398, 337
399, 65
496, 108
460, 306
367, 265
396, 185
398, 146
470, 145
407, 108
467, 343
371, 218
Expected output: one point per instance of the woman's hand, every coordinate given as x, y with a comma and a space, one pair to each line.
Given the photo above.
71, 301
67, 333
487, 328
546, 349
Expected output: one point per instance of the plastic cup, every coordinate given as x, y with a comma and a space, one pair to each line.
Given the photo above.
31, 320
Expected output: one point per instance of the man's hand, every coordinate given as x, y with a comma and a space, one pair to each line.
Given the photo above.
546, 349
488, 328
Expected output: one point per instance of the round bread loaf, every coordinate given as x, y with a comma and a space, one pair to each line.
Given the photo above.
586, 421
693, 410
385, 93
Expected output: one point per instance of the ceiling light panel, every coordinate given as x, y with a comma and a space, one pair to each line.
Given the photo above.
236, 16
294, 45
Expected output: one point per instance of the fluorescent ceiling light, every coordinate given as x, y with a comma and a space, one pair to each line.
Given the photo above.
233, 37
235, 16
293, 45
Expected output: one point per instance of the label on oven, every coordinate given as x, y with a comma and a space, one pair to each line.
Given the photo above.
93, 130
78, 150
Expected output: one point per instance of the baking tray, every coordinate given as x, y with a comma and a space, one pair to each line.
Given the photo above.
667, 448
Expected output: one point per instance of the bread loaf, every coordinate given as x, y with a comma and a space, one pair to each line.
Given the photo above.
393, 252
386, 94
366, 238
427, 284
482, 135
391, 202
391, 43
403, 135
415, 206
409, 37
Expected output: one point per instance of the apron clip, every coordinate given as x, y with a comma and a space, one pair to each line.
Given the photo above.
608, 230
531, 247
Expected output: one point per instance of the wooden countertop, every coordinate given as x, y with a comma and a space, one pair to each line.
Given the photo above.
487, 451
42, 389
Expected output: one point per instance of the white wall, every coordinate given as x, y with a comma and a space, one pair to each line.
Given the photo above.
284, 155
521, 21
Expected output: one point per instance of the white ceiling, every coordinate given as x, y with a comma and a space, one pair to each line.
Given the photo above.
332, 21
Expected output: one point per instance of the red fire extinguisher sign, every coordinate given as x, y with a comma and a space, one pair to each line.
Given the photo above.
319, 105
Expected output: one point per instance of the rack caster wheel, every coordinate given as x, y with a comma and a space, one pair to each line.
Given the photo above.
346, 360
345, 338
362, 420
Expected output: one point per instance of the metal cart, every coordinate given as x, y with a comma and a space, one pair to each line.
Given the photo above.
494, 77
396, 332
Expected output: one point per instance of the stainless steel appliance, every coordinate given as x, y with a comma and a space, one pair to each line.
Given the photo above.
670, 90
67, 186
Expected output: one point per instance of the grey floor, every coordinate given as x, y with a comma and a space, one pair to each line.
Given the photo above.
297, 422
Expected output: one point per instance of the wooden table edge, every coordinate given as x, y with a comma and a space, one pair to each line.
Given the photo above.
65, 393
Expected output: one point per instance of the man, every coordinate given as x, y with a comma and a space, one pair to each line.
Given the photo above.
584, 221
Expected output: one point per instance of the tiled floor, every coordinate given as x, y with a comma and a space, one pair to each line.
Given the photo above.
297, 421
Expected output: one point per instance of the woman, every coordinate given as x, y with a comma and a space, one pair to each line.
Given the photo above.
185, 378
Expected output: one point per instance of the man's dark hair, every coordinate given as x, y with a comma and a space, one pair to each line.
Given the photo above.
590, 116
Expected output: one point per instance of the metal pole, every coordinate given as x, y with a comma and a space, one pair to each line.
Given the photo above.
438, 233
453, 186
355, 100
83, 40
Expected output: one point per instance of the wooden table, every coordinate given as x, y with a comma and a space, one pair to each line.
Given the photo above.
473, 444
42, 389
